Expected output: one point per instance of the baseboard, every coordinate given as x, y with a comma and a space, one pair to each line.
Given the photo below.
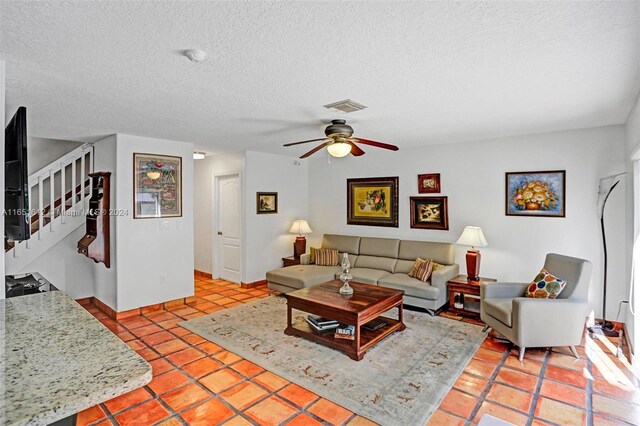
108, 311
253, 284
201, 274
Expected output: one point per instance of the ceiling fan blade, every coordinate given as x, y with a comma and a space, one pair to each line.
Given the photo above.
316, 149
356, 150
376, 144
301, 142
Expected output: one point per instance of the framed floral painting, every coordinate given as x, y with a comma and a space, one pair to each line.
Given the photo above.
429, 213
372, 201
266, 202
157, 187
429, 183
535, 193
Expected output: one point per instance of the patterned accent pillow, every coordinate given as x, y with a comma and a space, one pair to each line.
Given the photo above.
422, 269
312, 255
326, 257
545, 286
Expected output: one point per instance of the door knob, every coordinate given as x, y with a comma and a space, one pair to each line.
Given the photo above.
219, 233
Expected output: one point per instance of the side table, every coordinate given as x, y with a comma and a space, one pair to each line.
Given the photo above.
469, 295
290, 261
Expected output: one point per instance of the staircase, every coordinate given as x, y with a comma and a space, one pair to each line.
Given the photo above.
58, 198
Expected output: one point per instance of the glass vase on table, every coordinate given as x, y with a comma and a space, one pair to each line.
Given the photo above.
345, 277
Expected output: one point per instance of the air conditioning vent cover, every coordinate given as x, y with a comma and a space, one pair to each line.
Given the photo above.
346, 106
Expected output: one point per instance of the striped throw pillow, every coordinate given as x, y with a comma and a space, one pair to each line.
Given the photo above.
422, 269
326, 257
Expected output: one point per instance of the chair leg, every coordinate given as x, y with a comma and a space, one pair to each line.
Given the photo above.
521, 357
574, 351
485, 329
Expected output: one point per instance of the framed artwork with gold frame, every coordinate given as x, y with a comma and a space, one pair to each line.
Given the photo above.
429, 183
429, 213
372, 201
157, 186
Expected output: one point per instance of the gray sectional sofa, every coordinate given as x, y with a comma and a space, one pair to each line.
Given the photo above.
380, 261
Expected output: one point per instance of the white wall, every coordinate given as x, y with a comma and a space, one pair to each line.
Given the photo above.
267, 235
203, 188
42, 151
152, 265
65, 268
105, 279
473, 177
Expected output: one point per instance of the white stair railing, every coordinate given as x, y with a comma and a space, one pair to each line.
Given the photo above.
58, 209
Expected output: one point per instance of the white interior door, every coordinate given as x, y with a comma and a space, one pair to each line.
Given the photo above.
229, 222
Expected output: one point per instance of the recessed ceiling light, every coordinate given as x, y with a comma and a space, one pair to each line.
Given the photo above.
198, 155
195, 55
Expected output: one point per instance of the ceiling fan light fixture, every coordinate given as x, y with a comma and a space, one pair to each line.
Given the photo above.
339, 149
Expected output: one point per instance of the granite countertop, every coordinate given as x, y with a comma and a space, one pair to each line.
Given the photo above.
56, 359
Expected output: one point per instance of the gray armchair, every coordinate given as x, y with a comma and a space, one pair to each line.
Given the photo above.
532, 323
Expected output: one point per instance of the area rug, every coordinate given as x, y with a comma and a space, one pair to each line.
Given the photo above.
400, 381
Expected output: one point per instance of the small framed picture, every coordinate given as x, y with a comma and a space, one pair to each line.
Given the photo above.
429, 183
429, 213
535, 193
266, 202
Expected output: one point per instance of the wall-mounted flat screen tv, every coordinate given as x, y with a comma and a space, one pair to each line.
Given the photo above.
16, 179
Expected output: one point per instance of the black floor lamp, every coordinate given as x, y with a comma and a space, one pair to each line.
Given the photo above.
607, 185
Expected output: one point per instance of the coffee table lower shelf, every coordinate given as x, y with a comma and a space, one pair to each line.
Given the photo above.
349, 347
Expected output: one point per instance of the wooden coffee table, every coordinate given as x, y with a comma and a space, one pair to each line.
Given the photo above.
366, 303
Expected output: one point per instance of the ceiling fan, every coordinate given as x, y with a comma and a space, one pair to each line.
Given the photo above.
339, 142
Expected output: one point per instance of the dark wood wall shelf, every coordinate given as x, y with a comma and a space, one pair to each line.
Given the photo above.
96, 242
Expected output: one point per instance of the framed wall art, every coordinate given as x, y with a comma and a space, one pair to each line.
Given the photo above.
266, 202
429, 183
372, 201
157, 186
429, 213
535, 193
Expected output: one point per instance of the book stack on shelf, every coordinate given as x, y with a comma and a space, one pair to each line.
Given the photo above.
321, 324
346, 332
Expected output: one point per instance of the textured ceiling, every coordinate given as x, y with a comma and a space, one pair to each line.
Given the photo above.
430, 72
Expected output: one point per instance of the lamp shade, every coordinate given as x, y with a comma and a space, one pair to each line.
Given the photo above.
472, 236
339, 149
300, 226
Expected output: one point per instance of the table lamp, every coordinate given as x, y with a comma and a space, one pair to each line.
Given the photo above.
473, 236
300, 227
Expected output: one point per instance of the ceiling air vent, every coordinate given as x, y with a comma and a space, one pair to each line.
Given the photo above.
346, 106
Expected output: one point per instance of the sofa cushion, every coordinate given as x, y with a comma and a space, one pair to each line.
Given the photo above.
365, 275
342, 243
439, 252
301, 276
374, 262
499, 308
411, 286
382, 247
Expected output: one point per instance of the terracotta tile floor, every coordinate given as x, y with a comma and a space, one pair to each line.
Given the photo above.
197, 382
